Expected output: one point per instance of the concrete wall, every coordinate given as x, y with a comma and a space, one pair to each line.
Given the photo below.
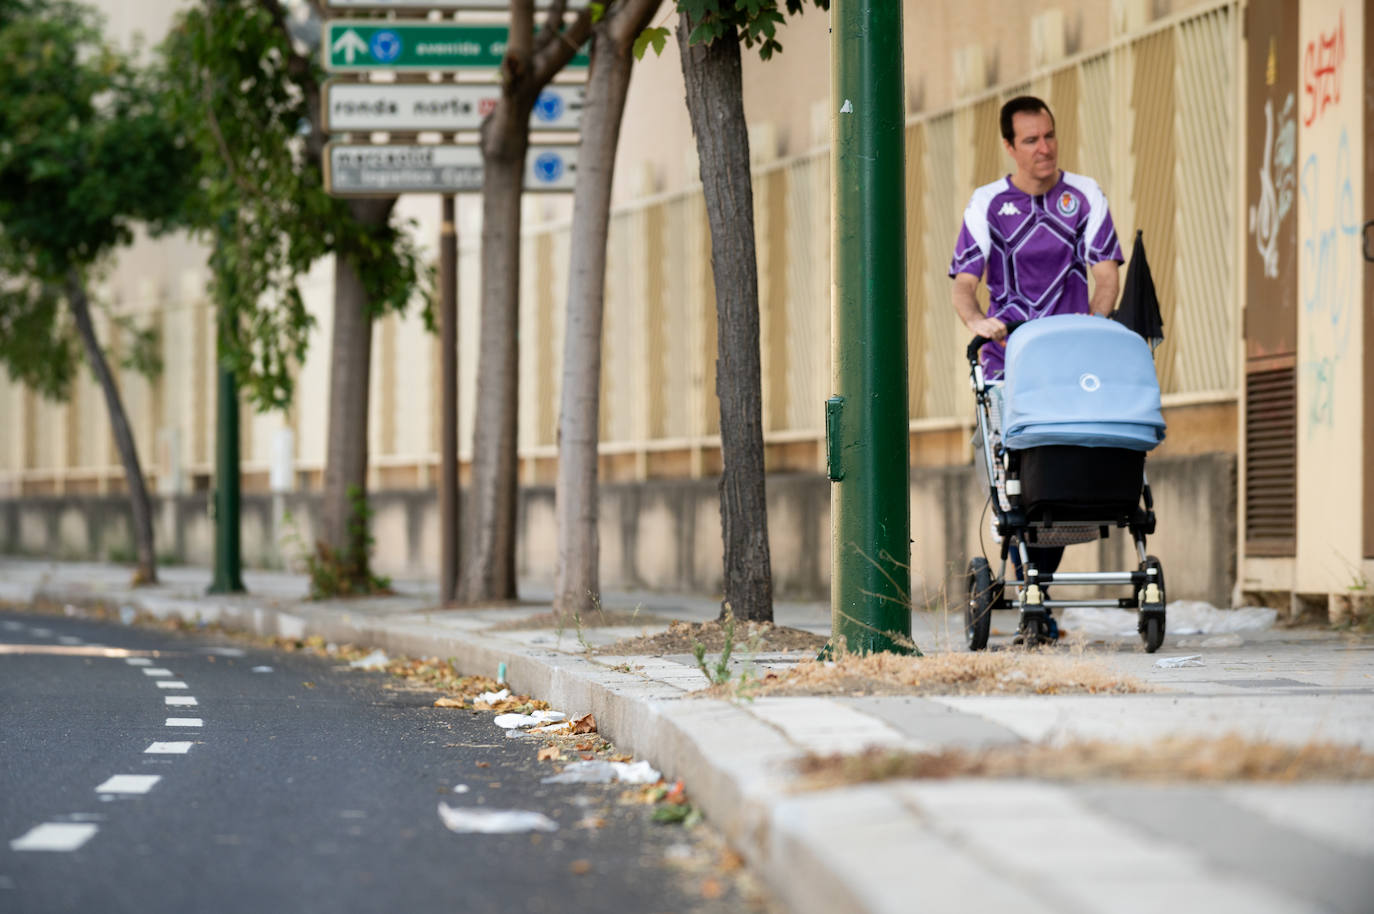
665, 536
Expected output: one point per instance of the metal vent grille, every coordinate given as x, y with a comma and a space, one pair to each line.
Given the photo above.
1271, 455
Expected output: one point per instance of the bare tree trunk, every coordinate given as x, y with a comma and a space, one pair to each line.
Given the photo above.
576, 582
343, 537
139, 504
489, 534
531, 60
715, 101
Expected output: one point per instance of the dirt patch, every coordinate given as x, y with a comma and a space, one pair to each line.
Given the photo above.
748, 638
602, 618
982, 673
1228, 758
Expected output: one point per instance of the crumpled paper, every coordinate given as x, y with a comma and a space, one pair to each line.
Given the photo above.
599, 772
472, 820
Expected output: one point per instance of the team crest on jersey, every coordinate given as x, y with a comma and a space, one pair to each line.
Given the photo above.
1068, 204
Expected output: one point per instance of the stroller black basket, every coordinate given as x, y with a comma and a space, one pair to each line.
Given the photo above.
1061, 483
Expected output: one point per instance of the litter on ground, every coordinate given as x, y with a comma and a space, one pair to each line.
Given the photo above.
492, 698
599, 772
534, 718
377, 660
1173, 663
467, 820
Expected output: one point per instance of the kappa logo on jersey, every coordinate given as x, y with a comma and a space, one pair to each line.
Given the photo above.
1008, 209
1068, 204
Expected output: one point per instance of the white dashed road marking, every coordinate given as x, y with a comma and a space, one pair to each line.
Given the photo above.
55, 836
185, 722
41, 632
168, 749
129, 783
68, 640
14, 626
182, 701
156, 671
171, 684
139, 661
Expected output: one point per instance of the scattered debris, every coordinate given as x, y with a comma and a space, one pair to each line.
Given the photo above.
580, 867
492, 698
1173, 663
446, 702
1182, 617
602, 772
550, 753
377, 660
1228, 758
461, 788
468, 820
262, 669
682, 638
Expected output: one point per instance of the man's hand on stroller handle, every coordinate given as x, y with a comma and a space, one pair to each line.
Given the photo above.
982, 335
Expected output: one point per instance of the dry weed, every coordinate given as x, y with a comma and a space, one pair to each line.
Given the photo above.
1228, 758
982, 673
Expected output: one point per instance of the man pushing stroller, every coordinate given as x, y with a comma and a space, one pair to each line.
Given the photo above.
1033, 236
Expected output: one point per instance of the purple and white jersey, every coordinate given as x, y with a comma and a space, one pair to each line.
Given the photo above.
1035, 250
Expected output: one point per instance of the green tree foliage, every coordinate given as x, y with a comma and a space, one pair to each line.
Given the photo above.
249, 99
85, 155
756, 21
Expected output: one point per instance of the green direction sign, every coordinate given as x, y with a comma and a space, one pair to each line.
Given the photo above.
352, 45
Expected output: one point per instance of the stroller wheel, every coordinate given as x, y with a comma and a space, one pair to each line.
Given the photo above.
1152, 632
978, 604
1152, 602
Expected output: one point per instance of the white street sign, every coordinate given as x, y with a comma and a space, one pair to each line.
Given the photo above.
379, 171
444, 107
499, 6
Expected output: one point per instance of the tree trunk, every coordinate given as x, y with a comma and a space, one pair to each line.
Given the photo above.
343, 539
489, 534
576, 582
139, 504
715, 101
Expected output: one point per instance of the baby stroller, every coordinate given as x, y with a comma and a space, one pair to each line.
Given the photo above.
1064, 439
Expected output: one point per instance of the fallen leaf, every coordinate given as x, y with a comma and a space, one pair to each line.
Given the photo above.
308, 685
550, 754
587, 756
483, 764
583, 747
730, 861
494, 785
622, 757
580, 867
584, 724
712, 889
591, 822
677, 795
448, 703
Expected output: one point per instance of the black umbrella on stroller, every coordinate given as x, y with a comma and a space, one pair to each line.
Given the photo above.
1139, 308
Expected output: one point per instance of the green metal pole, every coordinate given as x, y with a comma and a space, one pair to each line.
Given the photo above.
866, 419
228, 562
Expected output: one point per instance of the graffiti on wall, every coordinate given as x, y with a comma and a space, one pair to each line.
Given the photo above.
1323, 64
1276, 178
1330, 270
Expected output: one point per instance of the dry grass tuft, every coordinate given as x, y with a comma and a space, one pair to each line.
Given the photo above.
1228, 758
981, 673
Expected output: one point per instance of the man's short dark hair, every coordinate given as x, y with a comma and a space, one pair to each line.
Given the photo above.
1022, 104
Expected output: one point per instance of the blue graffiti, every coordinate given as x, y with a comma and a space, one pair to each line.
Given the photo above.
1330, 269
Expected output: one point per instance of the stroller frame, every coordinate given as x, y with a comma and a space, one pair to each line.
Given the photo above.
1017, 526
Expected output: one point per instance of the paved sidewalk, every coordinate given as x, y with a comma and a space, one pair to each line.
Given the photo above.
900, 846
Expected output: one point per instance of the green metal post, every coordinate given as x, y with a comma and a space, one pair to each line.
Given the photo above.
228, 561
866, 419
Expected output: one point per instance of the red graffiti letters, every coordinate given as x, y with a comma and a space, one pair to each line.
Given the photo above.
1321, 71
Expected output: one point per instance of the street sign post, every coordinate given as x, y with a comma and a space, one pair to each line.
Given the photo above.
361, 45
358, 170
443, 107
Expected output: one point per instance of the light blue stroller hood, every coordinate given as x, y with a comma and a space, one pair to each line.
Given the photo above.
1080, 380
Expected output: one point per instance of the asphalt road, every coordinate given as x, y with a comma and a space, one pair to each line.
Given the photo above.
292, 784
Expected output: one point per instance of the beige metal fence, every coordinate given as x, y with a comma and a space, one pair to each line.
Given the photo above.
1152, 118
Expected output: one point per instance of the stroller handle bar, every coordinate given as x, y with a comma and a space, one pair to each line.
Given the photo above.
978, 341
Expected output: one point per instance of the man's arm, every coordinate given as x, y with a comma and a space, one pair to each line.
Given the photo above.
966, 305
1105, 287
